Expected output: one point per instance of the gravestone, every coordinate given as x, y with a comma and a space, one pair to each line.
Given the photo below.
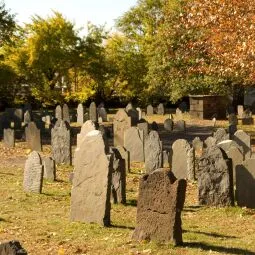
182, 160
144, 126
133, 114
247, 117
180, 125
61, 143
33, 173
168, 125
120, 124
227, 144
93, 112
243, 140
58, 113
178, 113
103, 131
220, 135
124, 154
27, 117
65, 112
153, 152
88, 126
161, 109
160, 202
12, 248
166, 159
80, 114
134, 143
18, 118
9, 137
149, 110
198, 146
129, 107
215, 178
210, 141
240, 111
49, 169
33, 137
118, 177
139, 110
102, 113
91, 189
245, 183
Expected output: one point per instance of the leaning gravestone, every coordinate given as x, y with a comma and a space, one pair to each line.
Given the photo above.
161, 109
58, 113
243, 140
149, 111
120, 124
33, 173
80, 114
88, 126
160, 202
49, 169
93, 112
12, 248
118, 177
134, 143
91, 189
182, 160
153, 152
245, 183
27, 117
33, 137
220, 135
9, 137
66, 115
168, 125
61, 143
215, 178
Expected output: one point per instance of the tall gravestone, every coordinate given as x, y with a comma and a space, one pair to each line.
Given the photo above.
161, 109
134, 143
182, 160
9, 137
160, 202
61, 143
93, 112
58, 113
215, 178
65, 112
210, 141
33, 137
120, 124
33, 173
243, 140
91, 189
153, 152
149, 111
80, 114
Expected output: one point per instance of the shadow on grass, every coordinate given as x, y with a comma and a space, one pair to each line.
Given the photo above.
132, 202
6, 173
121, 226
208, 234
193, 208
2, 219
221, 249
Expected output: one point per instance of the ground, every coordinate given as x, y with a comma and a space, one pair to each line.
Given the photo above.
41, 221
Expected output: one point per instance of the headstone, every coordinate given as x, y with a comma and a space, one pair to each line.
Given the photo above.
161, 109
121, 123
61, 143
12, 248
27, 117
168, 125
243, 140
198, 146
9, 137
5, 121
124, 155
220, 135
102, 113
160, 202
58, 113
178, 113
134, 143
215, 178
154, 126
80, 114
33, 137
49, 169
66, 115
134, 115
210, 141
149, 111
180, 125
139, 110
240, 111
33, 173
91, 189
153, 152
144, 126
182, 160
88, 126
118, 178
18, 118
93, 112
245, 183
227, 144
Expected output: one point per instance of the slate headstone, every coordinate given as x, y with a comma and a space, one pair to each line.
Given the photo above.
154, 126
134, 115
102, 113
88, 126
33, 137
144, 126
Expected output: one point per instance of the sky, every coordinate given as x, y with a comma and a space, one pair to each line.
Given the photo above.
98, 12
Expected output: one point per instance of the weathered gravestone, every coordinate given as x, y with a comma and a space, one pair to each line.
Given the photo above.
134, 143
124, 155
153, 152
220, 135
121, 123
102, 113
180, 125
93, 112
33, 173
240, 111
88, 126
243, 140
182, 160
245, 183
118, 177
91, 189
210, 141
58, 113
149, 110
12, 248
33, 137
61, 143
215, 178
49, 169
160, 202
80, 114
27, 117
198, 146
9, 137
161, 109
65, 112
144, 126
168, 125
